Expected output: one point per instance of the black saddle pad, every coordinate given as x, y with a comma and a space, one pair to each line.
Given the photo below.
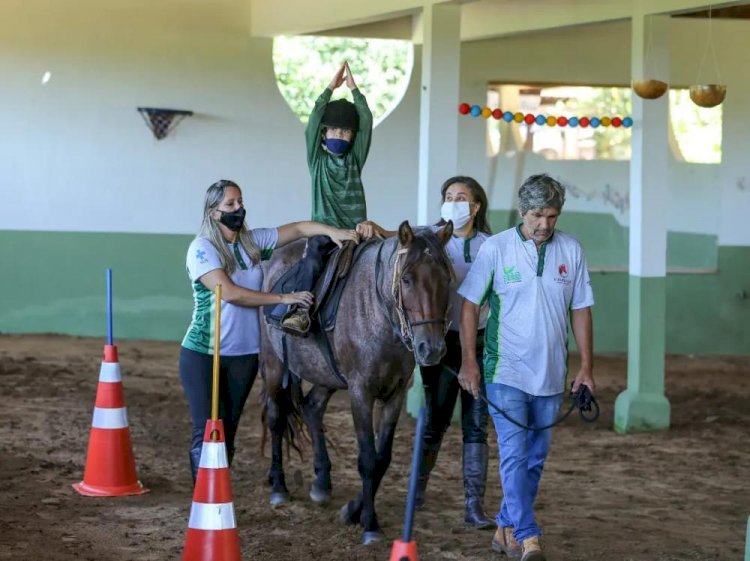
327, 309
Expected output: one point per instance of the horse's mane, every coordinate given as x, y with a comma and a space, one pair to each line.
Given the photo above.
426, 242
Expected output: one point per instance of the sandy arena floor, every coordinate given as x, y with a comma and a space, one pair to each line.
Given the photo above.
681, 495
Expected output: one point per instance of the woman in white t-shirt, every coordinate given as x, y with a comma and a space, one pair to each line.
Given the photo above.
465, 204
227, 252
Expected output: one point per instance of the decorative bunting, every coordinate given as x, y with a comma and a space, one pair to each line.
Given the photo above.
549, 120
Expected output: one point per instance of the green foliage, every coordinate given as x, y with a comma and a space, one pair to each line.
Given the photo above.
304, 66
696, 129
612, 143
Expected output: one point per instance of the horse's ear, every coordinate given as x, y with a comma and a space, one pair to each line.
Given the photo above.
444, 234
405, 233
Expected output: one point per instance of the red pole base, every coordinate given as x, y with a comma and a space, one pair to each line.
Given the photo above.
404, 551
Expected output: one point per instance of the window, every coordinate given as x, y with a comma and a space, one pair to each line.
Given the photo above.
695, 133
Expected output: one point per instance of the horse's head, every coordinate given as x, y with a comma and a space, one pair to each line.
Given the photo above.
422, 280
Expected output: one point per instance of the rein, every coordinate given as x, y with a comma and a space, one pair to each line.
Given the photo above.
583, 400
405, 325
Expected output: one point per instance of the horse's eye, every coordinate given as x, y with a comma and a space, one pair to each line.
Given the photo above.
406, 279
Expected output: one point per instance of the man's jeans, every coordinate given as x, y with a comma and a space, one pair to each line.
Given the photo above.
522, 453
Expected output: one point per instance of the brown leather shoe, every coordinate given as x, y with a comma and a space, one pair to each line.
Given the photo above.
532, 550
297, 323
504, 542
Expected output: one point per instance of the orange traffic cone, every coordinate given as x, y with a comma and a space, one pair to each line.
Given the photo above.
212, 529
110, 467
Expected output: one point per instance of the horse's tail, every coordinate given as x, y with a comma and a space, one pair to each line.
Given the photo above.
289, 403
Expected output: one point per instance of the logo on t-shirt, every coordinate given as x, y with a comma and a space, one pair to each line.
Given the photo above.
562, 274
200, 255
510, 275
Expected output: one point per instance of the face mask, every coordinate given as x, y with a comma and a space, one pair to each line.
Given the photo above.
337, 145
233, 220
458, 212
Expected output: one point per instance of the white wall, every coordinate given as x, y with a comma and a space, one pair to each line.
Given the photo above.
75, 155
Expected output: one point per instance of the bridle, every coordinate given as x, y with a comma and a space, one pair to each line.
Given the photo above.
405, 324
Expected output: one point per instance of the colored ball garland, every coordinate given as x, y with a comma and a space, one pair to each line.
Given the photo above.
549, 120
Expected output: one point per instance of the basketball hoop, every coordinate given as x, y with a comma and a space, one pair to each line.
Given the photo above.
162, 121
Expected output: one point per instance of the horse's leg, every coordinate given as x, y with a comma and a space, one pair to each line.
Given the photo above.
275, 418
362, 509
313, 409
386, 431
355, 510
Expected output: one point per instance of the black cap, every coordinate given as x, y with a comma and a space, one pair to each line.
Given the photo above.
341, 114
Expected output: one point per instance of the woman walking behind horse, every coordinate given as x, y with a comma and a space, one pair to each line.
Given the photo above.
226, 252
465, 204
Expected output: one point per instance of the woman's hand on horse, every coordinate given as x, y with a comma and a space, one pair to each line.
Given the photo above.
469, 377
339, 236
369, 229
304, 299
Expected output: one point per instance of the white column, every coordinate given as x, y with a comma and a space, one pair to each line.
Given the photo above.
643, 406
650, 150
438, 118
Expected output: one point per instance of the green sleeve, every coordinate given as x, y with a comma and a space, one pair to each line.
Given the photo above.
364, 135
312, 132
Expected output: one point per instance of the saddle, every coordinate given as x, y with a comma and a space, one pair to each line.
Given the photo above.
327, 291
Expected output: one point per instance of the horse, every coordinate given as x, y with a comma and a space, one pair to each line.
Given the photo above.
392, 313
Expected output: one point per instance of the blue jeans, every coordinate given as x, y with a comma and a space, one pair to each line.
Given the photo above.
522, 453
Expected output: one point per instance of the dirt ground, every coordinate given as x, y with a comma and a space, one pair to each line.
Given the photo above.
682, 494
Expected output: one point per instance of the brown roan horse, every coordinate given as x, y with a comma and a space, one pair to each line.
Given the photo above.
393, 311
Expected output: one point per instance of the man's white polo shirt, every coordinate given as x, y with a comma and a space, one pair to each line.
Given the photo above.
530, 293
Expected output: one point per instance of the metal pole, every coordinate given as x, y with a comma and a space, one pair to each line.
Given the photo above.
217, 342
416, 459
110, 333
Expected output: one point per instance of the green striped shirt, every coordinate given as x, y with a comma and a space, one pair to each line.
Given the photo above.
338, 197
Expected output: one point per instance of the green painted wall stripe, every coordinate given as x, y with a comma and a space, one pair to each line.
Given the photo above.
53, 282
606, 241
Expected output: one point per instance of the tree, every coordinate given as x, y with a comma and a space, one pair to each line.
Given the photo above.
304, 66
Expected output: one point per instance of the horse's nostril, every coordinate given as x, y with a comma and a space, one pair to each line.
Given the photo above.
422, 349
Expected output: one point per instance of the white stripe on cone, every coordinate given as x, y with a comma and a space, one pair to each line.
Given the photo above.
110, 372
212, 516
214, 455
110, 418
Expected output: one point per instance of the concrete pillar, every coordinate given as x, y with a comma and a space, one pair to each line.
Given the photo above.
438, 111
438, 124
643, 406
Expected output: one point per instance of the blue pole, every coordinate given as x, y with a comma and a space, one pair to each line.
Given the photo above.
416, 458
109, 307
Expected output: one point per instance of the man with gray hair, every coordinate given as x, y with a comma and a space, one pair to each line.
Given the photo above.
531, 275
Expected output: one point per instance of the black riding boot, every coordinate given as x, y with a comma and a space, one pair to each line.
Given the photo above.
475, 459
195, 461
429, 457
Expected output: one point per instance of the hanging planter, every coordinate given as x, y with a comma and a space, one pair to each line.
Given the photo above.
708, 95
649, 89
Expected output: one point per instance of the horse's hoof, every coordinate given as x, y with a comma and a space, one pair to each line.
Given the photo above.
372, 537
344, 517
279, 498
319, 496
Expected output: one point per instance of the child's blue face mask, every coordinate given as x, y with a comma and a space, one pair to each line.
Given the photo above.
337, 145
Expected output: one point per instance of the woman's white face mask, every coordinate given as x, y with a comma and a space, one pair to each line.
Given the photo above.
457, 211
